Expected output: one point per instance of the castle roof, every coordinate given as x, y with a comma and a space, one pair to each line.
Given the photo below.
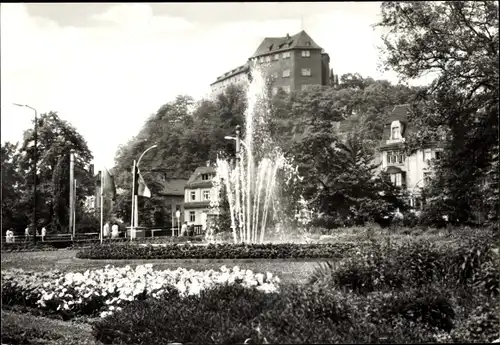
240, 69
271, 45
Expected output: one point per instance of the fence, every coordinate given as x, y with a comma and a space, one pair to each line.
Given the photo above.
94, 236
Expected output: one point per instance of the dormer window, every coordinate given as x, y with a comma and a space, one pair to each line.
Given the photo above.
204, 177
396, 130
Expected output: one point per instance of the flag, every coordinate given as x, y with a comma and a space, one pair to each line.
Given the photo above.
109, 184
142, 189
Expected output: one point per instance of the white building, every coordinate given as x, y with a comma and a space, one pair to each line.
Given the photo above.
408, 172
197, 195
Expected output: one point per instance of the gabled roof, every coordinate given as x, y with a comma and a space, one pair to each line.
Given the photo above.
276, 44
195, 179
399, 113
173, 187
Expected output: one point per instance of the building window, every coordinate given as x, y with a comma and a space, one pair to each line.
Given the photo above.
395, 157
275, 75
261, 59
192, 216
274, 90
306, 53
268, 58
276, 56
306, 72
193, 195
204, 177
286, 73
206, 195
438, 155
286, 55
397, 180
395, 132
286, 88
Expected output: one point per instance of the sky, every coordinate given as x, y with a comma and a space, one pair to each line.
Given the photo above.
105, 67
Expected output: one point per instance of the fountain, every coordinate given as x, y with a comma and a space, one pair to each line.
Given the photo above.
251, 183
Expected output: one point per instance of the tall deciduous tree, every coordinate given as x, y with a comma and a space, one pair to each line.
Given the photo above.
56, 138
459, 41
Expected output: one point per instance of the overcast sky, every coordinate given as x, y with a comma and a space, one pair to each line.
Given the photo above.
106, 67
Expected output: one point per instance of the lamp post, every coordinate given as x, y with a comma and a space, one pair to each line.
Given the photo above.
135, 200
178, 216
35, 158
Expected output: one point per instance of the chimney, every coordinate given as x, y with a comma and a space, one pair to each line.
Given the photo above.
287, 36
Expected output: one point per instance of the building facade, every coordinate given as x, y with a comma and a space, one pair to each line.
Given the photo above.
172, 195
291, 63
197, 195
407, 172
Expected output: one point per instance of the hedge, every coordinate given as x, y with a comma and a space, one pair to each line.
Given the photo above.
234, 315
217, 251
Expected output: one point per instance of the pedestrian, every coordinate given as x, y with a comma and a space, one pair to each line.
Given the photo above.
184, 229
9, 236
114, 231
27, 233
191, 230
106, 231
44, 233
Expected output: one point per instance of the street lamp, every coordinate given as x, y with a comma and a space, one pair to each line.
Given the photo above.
34, 167
135, 201
178, 216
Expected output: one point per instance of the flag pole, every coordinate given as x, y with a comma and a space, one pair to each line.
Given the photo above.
74, 209
132, 213
102, 203
71, 188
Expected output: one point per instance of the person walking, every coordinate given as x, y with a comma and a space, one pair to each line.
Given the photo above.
106, 231
114, 231
27, 233
44, 233
184, 229
9, 236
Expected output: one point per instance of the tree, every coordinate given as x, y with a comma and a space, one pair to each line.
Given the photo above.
14, 211
458, 40
56, 138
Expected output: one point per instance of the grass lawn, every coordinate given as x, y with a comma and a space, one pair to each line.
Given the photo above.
288, 270
24, 328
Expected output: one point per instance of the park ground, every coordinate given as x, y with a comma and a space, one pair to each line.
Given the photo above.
78, 331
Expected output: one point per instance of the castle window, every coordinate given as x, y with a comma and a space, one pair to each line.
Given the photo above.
286, 55
306, 53
286, 88
306, 72
286, 73
268, 58
276, 56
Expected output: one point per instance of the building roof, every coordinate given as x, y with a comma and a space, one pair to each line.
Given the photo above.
272, 45
195, 180
399, 113
173, 187
238, 70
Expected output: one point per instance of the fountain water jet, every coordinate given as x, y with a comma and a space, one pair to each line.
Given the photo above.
251, 184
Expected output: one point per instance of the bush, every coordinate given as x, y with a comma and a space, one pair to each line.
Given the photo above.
381, 267
217, 251
226, 315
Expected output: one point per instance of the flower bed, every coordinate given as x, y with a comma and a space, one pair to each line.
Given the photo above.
218, 251
102, 291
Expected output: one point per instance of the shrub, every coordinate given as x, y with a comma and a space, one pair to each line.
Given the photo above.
297, 314
217, 251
